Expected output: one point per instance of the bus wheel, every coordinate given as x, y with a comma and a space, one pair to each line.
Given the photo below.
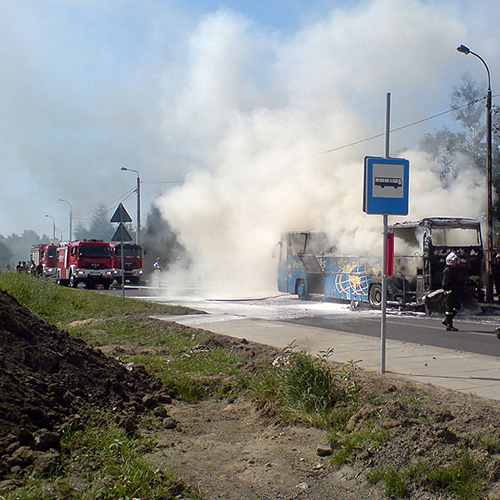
375, 296
301, 290
73, 282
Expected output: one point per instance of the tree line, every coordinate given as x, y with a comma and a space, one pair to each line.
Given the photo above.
158, 239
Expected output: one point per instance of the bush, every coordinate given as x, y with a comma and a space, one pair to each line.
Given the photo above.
305, 384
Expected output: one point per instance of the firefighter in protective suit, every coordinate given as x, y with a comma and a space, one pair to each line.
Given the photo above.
451, 287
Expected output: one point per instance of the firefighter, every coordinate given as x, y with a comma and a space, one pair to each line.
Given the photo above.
156, 265
451, 287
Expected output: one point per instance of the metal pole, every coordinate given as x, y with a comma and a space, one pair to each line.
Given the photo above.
53, 226
489, 180
122, 255
383, 317
138, 189
70, 219
489, 210
138, 232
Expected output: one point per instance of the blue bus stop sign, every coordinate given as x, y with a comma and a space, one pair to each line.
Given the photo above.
386, 186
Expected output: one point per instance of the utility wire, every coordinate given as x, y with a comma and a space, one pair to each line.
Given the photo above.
128, 194
402, 127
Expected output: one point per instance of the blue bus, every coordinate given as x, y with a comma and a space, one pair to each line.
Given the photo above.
309, 264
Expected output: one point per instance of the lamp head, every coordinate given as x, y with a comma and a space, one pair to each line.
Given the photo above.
463, 49
124, 168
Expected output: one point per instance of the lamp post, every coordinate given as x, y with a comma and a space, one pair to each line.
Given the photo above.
138, 189
489, 183
70, 218
53, 226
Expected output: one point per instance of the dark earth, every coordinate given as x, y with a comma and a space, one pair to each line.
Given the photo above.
47, 379
227, 449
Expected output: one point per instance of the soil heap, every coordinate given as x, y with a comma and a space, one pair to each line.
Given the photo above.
47, 379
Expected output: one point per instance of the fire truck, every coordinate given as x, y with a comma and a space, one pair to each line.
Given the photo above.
132, 265
310, 265
87, 261
45, 254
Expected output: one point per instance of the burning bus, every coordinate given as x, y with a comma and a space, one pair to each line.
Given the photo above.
309, 264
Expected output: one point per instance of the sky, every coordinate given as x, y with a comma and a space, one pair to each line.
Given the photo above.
236, 115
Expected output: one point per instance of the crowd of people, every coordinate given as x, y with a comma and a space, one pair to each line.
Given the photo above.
31, 268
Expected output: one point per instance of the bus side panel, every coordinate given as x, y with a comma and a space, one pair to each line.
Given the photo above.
289, 272
282, 277
348, 282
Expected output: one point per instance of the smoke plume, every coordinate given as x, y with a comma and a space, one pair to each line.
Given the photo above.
264, 117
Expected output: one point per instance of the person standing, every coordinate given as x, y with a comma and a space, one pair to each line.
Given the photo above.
452, 291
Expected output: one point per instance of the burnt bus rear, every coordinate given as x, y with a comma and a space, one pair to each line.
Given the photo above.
420, 249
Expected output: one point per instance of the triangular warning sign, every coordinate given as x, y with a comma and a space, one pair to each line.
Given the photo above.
121, 215
121, 234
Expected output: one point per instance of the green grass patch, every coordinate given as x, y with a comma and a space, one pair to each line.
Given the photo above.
61, 305
100, 461
304, 387
461, 478
184, 361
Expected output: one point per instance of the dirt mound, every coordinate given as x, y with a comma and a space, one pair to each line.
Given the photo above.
48, 377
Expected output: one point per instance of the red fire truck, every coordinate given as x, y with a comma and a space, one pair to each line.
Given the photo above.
132, 266
87, 261
45, 254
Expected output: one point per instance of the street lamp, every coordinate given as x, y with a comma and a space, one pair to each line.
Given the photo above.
138, 230
70, 219
489, 183
53, 226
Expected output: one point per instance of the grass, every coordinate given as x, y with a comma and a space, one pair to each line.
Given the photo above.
301, 387
100, 461
296, 388
460, 479
62, 306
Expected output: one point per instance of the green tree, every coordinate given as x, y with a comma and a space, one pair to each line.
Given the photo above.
100, 228
465, 149
5, 253
159, 240
21, 245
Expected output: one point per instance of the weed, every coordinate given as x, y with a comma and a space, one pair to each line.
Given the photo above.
303, 384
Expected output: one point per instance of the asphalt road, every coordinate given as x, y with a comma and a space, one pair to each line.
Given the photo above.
476, 332
475, 336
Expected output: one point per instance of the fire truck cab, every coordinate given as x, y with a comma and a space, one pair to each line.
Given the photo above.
87, 261
132, 265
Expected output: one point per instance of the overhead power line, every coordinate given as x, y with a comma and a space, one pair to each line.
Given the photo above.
402, 127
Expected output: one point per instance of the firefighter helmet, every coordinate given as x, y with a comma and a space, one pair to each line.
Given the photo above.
451, 257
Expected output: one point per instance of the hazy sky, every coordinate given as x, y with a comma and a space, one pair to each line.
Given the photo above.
240, 100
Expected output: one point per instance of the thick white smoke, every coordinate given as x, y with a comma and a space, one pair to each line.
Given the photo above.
261, 113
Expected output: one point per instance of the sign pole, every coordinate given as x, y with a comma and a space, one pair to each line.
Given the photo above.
383, 316
122, 252
121, 234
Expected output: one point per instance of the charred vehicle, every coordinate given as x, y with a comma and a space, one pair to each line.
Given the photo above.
309, 265
419, 253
